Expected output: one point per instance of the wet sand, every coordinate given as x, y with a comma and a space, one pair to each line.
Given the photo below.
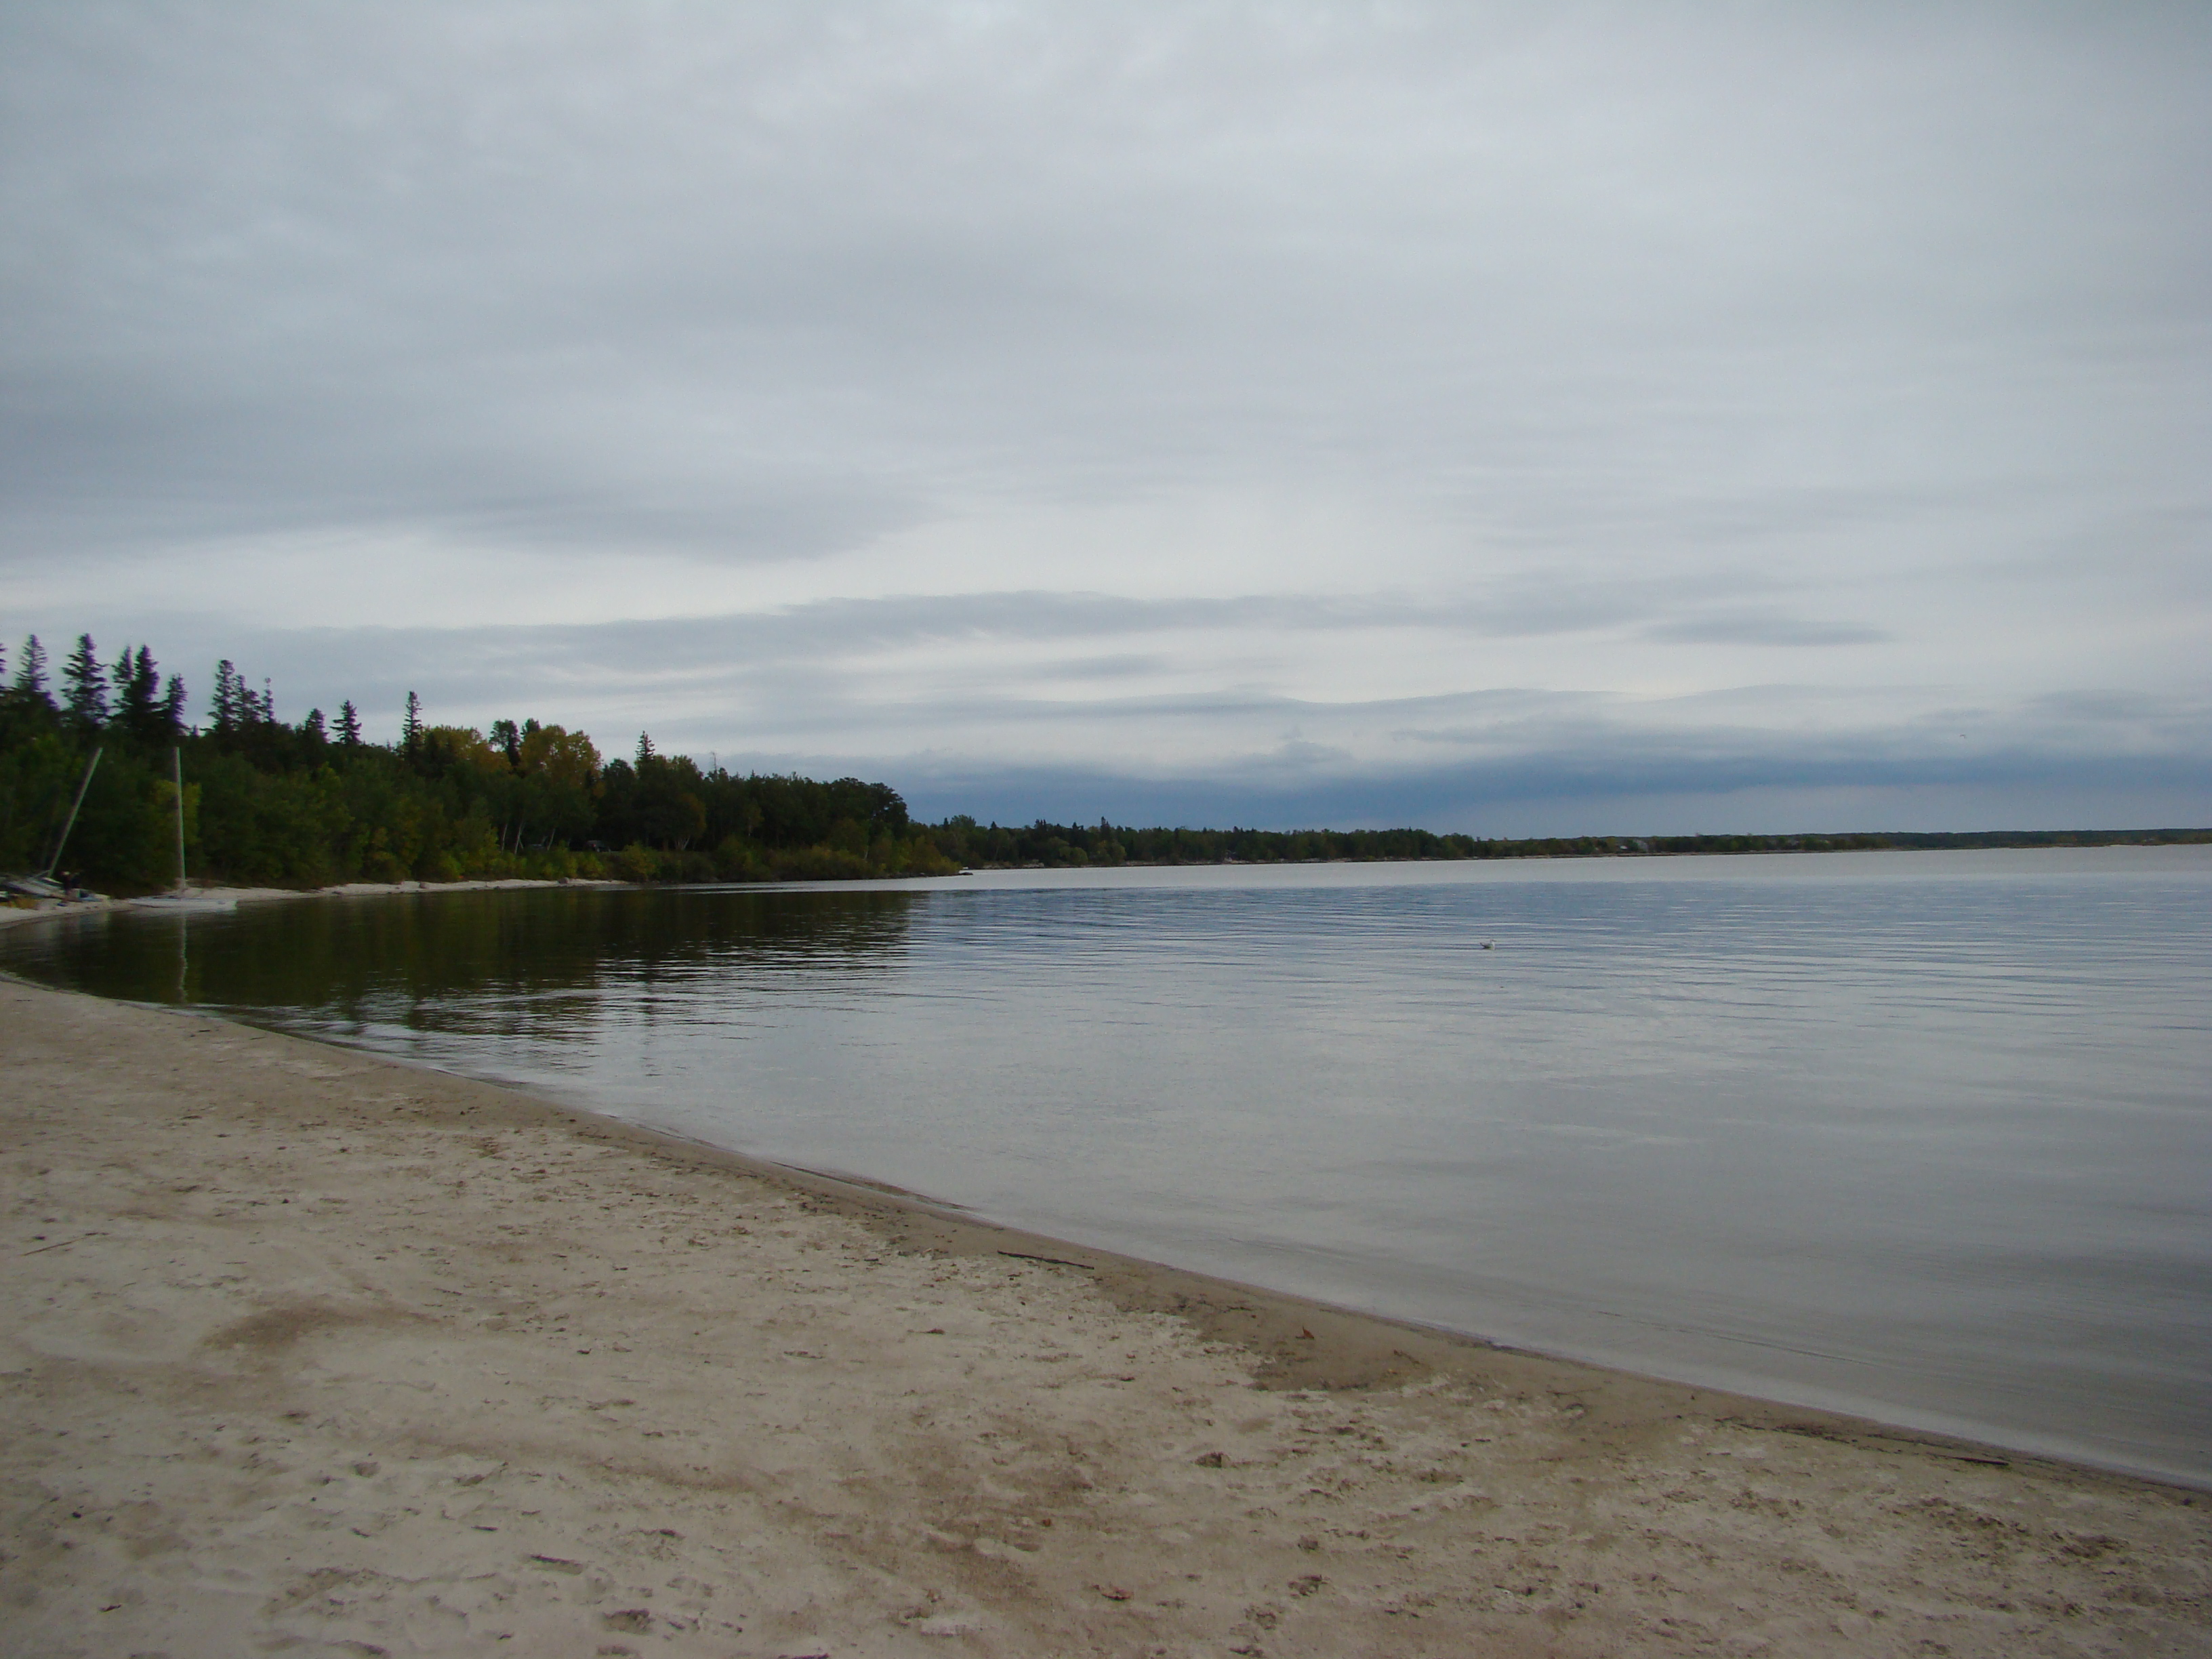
304, 1350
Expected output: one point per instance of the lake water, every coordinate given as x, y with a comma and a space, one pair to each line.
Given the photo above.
1924, 1136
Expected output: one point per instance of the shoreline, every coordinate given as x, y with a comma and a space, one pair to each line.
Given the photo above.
250, 1267
11, 915
1841, 1412
1838, 1414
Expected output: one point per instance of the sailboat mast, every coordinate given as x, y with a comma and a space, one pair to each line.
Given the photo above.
75, 806
176, 770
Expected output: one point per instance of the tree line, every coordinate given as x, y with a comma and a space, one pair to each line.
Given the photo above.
1060, 846
311, 803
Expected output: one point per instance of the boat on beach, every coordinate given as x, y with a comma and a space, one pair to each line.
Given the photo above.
181, 896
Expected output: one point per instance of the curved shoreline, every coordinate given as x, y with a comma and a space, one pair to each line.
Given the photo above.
1836, 1414
1897, 1414
605, 1380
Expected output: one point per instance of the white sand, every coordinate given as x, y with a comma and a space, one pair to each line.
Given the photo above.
301, 1351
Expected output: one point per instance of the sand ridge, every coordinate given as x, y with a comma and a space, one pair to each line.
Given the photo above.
302, 1351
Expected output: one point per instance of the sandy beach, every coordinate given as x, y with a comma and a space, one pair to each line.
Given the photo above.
306, 1351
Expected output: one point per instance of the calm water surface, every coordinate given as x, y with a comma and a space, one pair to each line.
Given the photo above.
1923, 1136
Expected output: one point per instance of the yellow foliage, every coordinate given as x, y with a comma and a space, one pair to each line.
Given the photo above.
462, 746
561, 756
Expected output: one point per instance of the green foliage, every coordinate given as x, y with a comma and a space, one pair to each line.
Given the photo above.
86, 697
125, 831
635, 862
262, 829
268, 804
821, 864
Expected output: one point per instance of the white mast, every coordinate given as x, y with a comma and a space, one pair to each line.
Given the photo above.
75, 806
177, 771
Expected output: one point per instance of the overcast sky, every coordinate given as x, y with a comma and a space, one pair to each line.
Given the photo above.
1507, 418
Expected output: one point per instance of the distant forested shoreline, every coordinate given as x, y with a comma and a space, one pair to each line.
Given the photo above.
1056, 845
311, 803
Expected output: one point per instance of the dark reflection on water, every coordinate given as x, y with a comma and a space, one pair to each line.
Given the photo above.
539, 967
1928, 1137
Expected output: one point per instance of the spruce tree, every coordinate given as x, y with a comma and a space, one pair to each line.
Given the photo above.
31, 678
349, 725
228, 695
410, 729
87, 697
173, 710
138, 697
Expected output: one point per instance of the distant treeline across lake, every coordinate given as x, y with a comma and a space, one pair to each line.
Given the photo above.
305, 804
1051, 845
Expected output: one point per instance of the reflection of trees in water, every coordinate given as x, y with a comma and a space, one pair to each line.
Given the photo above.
541, 964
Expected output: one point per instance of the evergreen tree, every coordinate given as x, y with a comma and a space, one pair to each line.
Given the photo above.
148, 673
238, 705
410, 728
173, 709
645, 750
311, 728
349, 725
230, 694
138, 709
31, 678
87, 697
506, 738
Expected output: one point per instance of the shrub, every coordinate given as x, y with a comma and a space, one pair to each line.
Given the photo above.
636, 862
821, 864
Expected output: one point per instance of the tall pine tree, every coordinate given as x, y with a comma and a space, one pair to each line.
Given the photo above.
86, 697
138, 707
230, 694
349, 725
31, 676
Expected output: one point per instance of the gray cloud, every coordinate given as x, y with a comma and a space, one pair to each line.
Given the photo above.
1760, 628
761, 652
881, 380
